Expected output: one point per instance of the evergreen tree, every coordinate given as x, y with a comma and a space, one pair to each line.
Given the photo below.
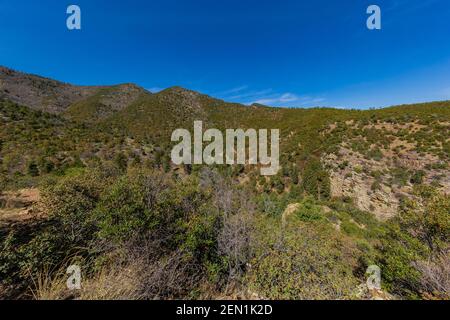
294, 174
121, 161
316, 180
33, 169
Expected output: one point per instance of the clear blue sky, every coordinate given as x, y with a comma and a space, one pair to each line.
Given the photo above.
281, 53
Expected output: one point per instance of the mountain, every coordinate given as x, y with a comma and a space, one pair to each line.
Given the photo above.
52, 96
370, 155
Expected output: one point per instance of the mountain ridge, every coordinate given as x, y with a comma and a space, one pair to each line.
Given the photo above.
112, 119
355, 188
53, 96
77, 93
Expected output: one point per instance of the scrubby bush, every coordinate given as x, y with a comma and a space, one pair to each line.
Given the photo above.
33, 169
309, 211
419, 234
307, 264
122, 212
71, 201
66, 233
435, 276
417, 177
183, 233
315, 180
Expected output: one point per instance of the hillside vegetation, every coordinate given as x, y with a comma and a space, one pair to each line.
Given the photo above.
356, 188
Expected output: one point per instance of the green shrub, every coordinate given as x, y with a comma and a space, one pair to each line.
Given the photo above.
122, 212
33, 169
420, 232
309, 211
316, 180
399, 250
309, 264
71, 201
417, 177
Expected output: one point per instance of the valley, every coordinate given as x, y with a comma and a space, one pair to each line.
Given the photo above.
86, 178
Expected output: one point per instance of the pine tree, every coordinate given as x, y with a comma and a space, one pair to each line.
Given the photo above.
316, 180
121, 161
33, 169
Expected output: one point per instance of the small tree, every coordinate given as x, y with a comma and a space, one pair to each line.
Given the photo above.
33, 169
428, 219
2, 183
166, 164
316, 180
415, 249
294, 174
121, 161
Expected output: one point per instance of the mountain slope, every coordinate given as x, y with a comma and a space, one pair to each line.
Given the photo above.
40, 93
355, 189
52, 96
373, 157
104, 103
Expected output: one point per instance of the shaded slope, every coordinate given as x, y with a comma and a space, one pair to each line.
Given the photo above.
105, 102
84, 103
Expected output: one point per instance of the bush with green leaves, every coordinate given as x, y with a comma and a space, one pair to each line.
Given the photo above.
316, 180
71, 201
122, 211
309, 210
420, 233
65, 234
306, 263
91, 215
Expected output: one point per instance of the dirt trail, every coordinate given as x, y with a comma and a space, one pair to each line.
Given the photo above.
17, 206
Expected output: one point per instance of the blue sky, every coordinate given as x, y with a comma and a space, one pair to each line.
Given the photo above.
279, 53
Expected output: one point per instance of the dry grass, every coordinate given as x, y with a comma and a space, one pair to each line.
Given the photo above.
436, 275
48, 287
111, 283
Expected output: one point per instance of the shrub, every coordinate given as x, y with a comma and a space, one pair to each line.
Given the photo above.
316, 180
235, 242
417, 177
419, 234
376, 185
431, 224
71, 201
122, 211
66, 233
33, 169
308, 210
308, 264
435, 275
121, 161
398, 251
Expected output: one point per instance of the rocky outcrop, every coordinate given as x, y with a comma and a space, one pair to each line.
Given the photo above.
371, 184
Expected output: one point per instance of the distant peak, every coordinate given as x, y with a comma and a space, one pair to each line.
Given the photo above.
131, 85
178, 89
4, 69
179, 92
258, 105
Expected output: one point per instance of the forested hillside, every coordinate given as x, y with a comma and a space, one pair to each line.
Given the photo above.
86, 179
